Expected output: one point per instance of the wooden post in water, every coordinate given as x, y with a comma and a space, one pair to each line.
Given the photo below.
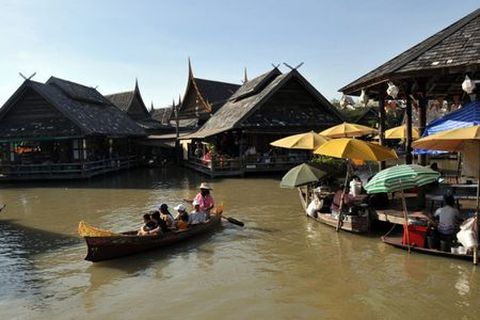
340, 207
422, 119
408, 143
405, 217
381, 124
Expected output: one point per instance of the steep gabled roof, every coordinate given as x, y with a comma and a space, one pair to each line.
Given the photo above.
215, 92
458, 45
122, 100
84, 106
253, 86
162, 115
232, 113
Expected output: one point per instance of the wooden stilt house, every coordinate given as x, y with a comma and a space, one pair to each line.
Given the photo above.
433, 69
63, 130
235, 140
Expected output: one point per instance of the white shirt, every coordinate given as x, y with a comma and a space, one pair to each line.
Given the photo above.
355, 188
197, 217
447, 217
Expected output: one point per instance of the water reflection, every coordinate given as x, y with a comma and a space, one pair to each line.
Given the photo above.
281, 265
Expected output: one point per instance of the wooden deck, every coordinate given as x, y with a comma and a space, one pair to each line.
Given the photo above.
58, 171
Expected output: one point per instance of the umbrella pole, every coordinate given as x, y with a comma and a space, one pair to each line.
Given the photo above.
405, 216
340, 207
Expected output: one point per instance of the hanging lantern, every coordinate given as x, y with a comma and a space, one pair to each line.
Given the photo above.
363, 98
392, 90
468, 85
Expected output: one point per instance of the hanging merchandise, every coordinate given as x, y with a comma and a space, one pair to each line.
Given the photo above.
363, 98
468, 85
392, 90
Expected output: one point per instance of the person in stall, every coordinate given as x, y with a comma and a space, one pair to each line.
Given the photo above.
337, 200
448, 217
356, 186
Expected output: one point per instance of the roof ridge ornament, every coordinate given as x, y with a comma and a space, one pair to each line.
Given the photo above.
29, 78
293, 68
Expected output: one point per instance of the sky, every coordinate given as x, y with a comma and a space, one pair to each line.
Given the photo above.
108, 44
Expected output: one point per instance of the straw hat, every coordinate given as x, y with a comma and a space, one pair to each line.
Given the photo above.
205, 185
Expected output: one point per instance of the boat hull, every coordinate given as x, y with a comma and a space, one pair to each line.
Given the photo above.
128, 243
397, 243
355, 224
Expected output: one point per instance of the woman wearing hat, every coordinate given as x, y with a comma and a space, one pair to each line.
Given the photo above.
204, 198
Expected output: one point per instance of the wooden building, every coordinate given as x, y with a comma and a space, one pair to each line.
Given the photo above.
132, 104
63, 130
434, 69
202, 99
236, 139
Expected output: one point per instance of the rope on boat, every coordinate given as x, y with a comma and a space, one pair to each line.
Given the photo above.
393, 227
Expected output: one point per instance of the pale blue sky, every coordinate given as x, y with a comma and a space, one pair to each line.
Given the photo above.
109, 43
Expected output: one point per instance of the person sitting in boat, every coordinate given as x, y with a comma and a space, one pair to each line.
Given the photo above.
448, 216
161, 224
182, 217
166, 216
148, 225
337, 199
196, 216
204, 198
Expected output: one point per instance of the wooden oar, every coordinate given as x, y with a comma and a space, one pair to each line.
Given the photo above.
234, 221
219, 210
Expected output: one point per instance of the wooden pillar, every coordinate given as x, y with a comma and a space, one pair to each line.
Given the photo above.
381, 123
422, 119
408, 143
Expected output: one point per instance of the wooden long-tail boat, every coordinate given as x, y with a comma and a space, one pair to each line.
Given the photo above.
104, 244
350, 223
396, 241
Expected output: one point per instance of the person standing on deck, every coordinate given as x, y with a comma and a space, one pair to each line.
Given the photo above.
204, 198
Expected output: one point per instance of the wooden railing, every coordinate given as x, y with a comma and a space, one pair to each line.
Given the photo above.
74, 169
252, 163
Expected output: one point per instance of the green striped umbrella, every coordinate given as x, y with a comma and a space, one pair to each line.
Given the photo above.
401, 177
301, 175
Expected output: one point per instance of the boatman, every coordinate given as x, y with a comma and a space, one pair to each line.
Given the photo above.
204, 198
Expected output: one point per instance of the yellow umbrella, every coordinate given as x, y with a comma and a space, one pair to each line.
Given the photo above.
355, 149
451, 140
347, 130
400, 132
307, 141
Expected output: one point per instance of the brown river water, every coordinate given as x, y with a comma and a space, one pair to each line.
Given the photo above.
280, 266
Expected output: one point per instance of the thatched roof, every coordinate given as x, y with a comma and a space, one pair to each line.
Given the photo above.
454, 49
237, 110
85, 107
